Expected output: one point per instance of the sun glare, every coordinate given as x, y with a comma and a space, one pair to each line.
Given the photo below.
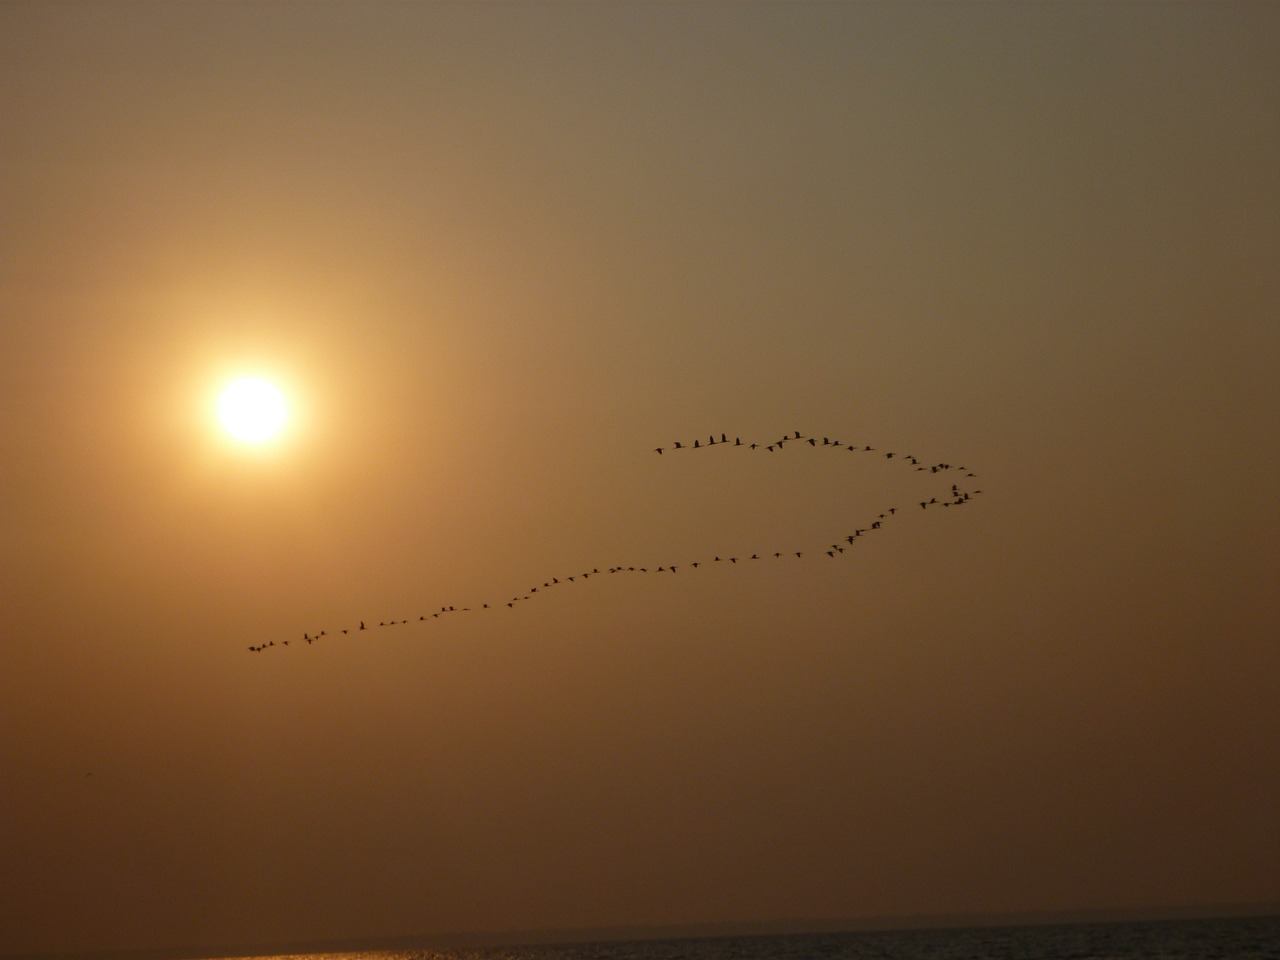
252, 409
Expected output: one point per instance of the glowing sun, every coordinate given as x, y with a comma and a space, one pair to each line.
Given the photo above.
252, 409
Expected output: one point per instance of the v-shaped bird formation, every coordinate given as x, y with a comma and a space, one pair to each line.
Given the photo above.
954, 491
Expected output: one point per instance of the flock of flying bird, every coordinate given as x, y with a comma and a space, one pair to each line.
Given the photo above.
956, 496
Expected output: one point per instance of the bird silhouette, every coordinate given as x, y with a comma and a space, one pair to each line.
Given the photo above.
955, 496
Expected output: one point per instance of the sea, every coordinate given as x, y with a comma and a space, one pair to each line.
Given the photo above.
1251, 938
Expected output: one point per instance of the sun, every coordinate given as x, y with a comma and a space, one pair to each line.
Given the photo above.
252, 409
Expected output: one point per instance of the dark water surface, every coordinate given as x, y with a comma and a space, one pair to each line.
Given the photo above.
1253, 938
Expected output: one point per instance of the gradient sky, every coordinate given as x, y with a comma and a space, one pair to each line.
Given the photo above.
498, 253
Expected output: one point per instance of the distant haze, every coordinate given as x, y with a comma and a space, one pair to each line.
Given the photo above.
494, 256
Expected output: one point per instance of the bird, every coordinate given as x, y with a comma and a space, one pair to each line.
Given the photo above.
955, 497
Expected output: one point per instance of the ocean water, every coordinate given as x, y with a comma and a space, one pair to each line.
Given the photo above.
1253, 938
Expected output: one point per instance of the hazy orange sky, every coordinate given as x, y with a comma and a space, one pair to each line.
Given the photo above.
497, 253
